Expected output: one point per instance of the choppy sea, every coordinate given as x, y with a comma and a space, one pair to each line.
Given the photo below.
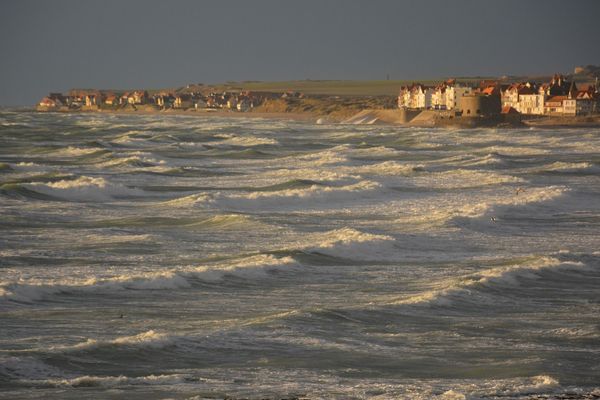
175, 257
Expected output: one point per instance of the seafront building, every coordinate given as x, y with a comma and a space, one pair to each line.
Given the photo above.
559, 97
91, 100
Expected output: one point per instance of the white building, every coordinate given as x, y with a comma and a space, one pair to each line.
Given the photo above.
531, 104
415, 96
454, 93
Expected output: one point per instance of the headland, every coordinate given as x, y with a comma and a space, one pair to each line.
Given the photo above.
554, 101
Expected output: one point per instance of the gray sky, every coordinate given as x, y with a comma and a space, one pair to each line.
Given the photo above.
56, 45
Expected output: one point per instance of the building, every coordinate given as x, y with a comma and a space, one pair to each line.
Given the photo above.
579, 103
553, 105
244, 104
183, 101
111, 99
484, 102
49, 104
199, 102
138, 97
438, 97
453, 94
416, 96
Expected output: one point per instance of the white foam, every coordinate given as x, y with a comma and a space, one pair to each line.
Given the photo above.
392, 168
353, 244
484, 209
332, 156
115, 381
116, 238
84, 188
327, 175
133, 160
569, 167
518, 150
243, 141
148, 339
72, 151
464, 178
251, 267
508, 276
314, 196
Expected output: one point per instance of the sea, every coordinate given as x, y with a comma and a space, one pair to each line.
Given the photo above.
189, 257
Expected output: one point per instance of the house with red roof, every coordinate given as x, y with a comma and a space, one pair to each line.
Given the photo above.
553, 105
580, 102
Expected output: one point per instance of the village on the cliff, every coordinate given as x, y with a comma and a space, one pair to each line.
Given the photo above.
558, 97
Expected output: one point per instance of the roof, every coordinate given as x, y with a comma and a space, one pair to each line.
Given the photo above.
583, 94
556, 99
48, 101
525, 90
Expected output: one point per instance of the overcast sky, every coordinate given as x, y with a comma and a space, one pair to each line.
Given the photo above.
56, 45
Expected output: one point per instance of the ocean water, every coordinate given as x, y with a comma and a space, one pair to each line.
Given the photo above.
174, 257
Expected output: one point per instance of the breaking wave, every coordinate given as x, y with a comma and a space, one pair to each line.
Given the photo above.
250, 268
84, 188
243, 141
483, 210
505, 276
351, 244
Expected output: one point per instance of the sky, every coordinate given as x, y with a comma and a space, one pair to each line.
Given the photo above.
61, 44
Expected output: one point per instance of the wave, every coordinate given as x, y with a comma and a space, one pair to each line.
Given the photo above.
332, 156
482, 211
5, 167
392, 168
465, 178
114, 381
248, 153
326, 175
505, 276
566, 167
306, 198
522, 388
132, 161
149, 339
308, 191
301, 194
351, 244
31, 370
116, 239
243, 141
84, 188
291, 184
376, 152
517, 150
19, 191
250, 267
72, 151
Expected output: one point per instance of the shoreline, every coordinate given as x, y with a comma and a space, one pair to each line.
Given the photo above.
388, 117
192, 113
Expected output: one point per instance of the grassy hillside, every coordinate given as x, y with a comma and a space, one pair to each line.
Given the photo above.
333, 87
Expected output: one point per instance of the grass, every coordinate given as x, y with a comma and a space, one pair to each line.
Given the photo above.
330, 87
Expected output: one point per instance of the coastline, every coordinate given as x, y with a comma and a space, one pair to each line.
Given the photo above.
390, 117
294, 116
